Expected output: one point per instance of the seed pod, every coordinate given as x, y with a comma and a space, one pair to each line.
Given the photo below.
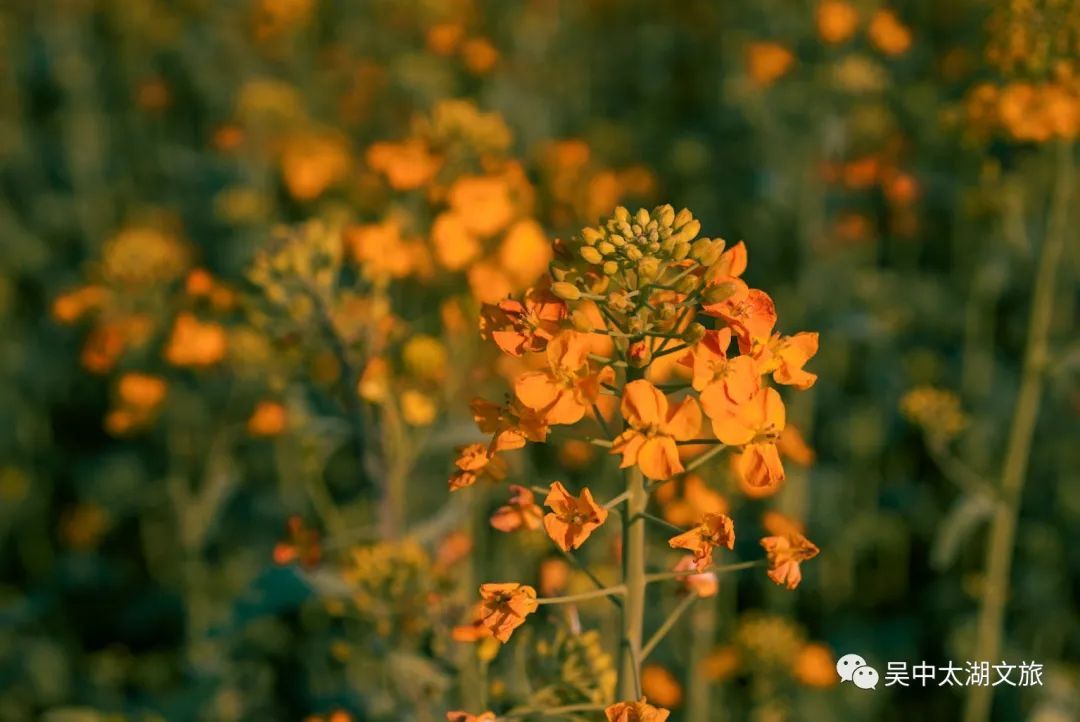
566, 291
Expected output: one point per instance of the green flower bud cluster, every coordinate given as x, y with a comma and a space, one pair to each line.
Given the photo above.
636, 249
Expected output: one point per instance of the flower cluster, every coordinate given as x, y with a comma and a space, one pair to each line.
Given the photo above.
646, 341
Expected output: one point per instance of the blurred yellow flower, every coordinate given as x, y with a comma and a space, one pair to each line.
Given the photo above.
659, 685
268, 419
313, 161
195, 343
425, 357
418, 408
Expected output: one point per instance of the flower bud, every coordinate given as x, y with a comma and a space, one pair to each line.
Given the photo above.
681, 250
591, 236
581, 321
638, 355
622, 215
665, 214
684, 216
687, 284
694, 333
648, 269
642, 217
566, 291
591, 255
605, 247
720, 292
611, 268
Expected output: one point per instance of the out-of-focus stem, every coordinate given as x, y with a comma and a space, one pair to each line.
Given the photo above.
635, 583
701, 642
999, 550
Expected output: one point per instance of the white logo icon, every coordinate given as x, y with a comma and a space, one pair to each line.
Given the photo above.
853, 668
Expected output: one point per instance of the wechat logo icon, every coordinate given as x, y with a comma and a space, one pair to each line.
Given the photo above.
853, 668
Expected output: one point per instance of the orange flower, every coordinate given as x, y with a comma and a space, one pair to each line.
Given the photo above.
815, 666
520, 511
512, 425
759, 466
406, 165
505, 607
751, 315
737, 378
194, 343
268, 419
695, 501
475, 630
479, 55
767, 62
640, 711
655, 426
483, 203
301, 544
793, 446
462, 716
730, 265
737, 424
836, 20
526, 325
473, 461
525, 252
563, 392
888, 34
455, 246
660, 685
785, 356
69, 307
312, 162
784, 554
572, 518
702, 584
142, 392
715, 530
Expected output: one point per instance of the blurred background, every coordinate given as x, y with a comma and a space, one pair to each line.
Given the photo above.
239, 306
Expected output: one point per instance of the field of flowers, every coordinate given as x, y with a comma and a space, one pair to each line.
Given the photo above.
490, 360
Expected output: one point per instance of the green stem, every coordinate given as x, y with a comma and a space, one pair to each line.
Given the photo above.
662, 522
617, 500
999, 550
698, 461
662, 576
634, 579
659, 634
587, 572
595, 594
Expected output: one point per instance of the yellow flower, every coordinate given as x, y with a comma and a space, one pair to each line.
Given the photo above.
418, 408
425, 357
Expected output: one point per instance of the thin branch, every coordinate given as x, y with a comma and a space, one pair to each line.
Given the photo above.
662, 522
698, 461
659, 634
617, 500
662, 576
592, 577
595, 594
